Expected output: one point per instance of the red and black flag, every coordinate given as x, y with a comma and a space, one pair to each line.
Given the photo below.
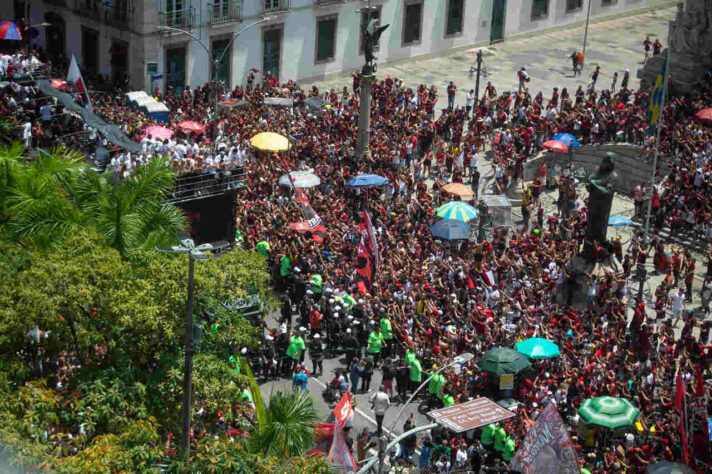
312, 219
367, 248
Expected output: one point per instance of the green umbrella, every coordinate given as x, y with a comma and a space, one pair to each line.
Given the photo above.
501, 361
669, 468
537, 348
608, 412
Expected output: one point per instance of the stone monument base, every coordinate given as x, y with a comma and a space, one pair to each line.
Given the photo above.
685, 70
574, 291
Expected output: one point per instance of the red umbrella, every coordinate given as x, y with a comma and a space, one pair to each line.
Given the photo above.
190, 126
705, 115
555, 145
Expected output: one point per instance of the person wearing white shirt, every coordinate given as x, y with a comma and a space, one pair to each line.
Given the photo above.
27, 133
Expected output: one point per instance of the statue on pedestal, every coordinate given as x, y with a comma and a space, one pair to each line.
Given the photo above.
690, 45
601, 188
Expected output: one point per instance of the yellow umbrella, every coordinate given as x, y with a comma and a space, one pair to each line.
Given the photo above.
269, 141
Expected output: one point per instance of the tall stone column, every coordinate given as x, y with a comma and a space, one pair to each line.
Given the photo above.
363, 147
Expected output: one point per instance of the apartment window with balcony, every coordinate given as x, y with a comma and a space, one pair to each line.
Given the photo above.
572, 5
220, 49
375, 15
412, 23
325, 38
455, 10
276, 5
225, 11
540, 9
176, 14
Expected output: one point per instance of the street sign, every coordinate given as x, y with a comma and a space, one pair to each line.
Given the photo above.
470, 415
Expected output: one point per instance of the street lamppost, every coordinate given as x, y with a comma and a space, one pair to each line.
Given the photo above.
460, 359
215, 60
194, 253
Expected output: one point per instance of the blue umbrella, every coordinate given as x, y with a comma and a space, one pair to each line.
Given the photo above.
617, 220
567, 139
450, 229
366, 181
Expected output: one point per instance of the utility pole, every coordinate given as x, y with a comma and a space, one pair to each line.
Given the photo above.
585, 31
370, 33
479, 69
188, 369
194, 253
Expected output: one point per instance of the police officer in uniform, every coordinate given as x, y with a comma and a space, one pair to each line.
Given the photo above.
316, 353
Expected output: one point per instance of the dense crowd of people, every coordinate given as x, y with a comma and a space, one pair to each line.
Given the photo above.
432, 300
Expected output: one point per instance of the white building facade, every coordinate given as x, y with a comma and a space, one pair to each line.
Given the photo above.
303, 39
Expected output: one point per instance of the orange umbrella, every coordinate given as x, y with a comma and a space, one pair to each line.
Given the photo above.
190, 126
459, 189
555, 145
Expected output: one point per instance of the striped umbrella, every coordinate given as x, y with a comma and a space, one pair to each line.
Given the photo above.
300, 179
9, 31
608, 412
457, 210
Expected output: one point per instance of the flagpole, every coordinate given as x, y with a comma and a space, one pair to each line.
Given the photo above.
666, 75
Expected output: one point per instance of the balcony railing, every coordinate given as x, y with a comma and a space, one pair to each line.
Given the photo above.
276, 6
328, 2
225, 13
178, 18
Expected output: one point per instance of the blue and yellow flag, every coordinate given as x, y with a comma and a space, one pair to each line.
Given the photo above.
656, 98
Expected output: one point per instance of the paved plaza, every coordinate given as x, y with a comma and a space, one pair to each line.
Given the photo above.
614, 44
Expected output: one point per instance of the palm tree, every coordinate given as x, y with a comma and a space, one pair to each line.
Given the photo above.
285, 427
289, 427
55, 194
131, 213
36, 198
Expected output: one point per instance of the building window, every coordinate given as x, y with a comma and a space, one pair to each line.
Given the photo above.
325, 38
607, 3
90, 50
412, 23
222, 52
375, 15
175, 68
455, 11
572, 5
540, 8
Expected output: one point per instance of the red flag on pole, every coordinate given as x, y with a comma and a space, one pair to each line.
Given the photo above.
343, 409
679, 407
700, 384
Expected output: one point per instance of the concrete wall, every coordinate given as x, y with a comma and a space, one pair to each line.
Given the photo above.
631, 170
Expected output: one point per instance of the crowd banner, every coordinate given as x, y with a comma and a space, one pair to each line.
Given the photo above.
339, 454
316, 226
547, 447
